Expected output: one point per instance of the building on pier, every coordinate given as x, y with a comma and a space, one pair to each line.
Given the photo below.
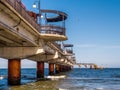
22, 36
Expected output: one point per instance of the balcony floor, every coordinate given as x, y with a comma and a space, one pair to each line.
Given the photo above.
53, 37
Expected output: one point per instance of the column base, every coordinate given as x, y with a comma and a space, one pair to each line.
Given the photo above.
14, 81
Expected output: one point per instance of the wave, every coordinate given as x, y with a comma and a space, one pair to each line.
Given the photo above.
116, 76
3, 77
78, 78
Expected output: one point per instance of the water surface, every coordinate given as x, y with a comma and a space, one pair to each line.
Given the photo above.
77, 79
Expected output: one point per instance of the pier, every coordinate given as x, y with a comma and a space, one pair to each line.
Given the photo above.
89, 65
23, 36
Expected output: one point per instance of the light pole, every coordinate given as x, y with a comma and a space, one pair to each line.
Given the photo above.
39, 9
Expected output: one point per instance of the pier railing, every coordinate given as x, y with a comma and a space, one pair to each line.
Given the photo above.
51, 29
69, 51
20, 8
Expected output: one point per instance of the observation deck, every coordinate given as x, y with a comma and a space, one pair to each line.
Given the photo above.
53, 28
68, 49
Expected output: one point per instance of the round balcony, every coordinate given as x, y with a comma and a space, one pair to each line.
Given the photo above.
68, 48
58, 15
52, 26
53, 33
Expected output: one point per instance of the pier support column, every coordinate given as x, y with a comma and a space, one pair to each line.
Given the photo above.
68, 68
51, 69
40, 70
61, 68
14, 71
57, 68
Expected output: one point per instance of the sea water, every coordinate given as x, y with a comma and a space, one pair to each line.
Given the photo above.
77, 79
91, 79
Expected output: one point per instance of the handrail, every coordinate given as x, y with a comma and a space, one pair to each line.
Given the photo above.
61, 15
19, 7
69, 51
51, 29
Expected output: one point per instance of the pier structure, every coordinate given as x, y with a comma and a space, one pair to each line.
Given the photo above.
22, 36
90, 65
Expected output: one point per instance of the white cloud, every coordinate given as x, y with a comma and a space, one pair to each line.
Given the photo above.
98, 46
112, 46
86, 45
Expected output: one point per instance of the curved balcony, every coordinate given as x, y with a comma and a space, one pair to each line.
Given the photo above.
60, 16
68, 49
53, 33
49, 30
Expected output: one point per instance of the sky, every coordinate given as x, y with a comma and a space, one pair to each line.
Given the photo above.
93, 27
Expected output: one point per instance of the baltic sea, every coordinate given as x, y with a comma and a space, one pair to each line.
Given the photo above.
77, 79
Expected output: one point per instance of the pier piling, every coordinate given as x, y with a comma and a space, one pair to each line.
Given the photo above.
51, 69
14, 71
57, 68
40, 70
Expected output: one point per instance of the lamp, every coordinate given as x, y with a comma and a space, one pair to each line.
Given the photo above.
34, 5
38, 7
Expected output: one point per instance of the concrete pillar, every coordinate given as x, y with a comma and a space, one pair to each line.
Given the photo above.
51, 69
40, 70
61, 68
66, 68
57, 68
14, 71
90, 66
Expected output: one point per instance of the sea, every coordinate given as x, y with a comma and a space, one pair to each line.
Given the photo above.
76, 79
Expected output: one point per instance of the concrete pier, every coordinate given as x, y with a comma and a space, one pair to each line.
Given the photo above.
51, 69
22, 36
40, 70
14, 71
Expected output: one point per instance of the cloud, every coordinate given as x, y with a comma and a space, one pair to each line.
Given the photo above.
86, 45
112, 46
98, 46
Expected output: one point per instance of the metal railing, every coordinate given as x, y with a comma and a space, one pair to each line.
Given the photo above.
69, 51
19, 7
51, 29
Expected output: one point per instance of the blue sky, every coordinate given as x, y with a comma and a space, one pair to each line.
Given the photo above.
93, 26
